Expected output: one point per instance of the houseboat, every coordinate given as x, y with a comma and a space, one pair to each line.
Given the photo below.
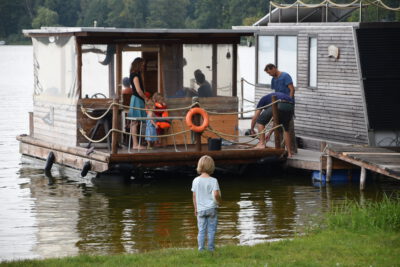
79, 117
346, 74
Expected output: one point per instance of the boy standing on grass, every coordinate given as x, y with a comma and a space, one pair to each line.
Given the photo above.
206, 198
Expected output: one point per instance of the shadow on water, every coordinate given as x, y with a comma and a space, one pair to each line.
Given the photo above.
118, 215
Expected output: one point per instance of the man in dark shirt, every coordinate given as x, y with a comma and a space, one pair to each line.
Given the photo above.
205, 87
264, 115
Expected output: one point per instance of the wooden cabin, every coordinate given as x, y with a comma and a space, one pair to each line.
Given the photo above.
346, 75
77, 77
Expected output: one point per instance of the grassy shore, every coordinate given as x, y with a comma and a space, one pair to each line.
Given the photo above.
351, 235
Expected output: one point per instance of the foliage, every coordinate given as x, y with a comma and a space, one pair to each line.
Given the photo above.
23, 14
45, 17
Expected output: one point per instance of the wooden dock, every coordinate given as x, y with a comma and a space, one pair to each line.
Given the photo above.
383, 160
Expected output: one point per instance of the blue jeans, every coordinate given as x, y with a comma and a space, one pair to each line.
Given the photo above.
207, 221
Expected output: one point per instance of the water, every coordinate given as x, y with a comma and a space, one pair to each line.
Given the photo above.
72, 216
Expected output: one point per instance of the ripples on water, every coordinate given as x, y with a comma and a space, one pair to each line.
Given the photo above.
72, 216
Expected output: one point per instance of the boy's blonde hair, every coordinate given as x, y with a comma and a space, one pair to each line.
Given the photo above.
149, 104
157, 97
206, 164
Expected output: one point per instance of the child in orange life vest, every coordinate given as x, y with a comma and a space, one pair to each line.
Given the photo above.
162, 125
151, 126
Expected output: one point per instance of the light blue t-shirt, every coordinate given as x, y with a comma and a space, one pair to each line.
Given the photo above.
204, 187
281, 83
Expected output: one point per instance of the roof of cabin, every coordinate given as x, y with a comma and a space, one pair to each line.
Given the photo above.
129, 34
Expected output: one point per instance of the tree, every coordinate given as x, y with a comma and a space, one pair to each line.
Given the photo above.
129, 14
45, 17
167, 13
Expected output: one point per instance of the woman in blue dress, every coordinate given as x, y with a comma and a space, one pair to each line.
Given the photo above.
137, 98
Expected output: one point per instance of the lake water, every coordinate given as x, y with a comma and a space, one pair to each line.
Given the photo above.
72, 216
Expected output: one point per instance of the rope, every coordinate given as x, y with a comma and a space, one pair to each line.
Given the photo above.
123, 132
378, 3
84, 110
247, 111
249, 83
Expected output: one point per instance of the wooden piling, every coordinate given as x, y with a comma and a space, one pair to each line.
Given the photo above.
196, 121
363, 176
275, 117
328, 168
115, 117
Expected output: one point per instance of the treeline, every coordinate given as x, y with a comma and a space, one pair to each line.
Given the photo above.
26, 14
16, 15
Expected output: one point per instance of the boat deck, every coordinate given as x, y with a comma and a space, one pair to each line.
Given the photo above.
101, 159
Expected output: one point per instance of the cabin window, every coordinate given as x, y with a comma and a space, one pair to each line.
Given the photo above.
287, 56
278, 50
98, 71
312, 71
266, 54
54, 67
208, 68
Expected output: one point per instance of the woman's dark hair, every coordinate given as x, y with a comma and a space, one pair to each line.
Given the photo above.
136, 64
199, 76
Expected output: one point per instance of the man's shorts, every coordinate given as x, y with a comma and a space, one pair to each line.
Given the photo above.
285, 113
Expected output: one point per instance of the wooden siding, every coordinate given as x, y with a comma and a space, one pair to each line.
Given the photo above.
334, 110
61, 129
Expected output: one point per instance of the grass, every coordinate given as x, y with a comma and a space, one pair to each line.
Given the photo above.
351, 235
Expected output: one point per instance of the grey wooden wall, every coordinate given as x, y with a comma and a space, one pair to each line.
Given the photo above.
334, 110
59, 128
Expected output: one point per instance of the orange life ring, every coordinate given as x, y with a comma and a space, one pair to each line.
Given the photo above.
189, 120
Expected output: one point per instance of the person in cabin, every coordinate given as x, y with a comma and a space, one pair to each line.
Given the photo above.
204, 86
206, 199
160, 111
151, 125
137, 100
262, 116
282, 82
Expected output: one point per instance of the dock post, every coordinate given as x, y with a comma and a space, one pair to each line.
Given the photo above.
362, 178
116, 98
196, 120
328, 168
275, 117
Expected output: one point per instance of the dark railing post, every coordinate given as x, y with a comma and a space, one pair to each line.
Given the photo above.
196, 121
242, 98
275, 117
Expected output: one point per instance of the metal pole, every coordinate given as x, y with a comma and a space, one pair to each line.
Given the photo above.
297, 13
326, 13
242, 100
270, 12
360, 11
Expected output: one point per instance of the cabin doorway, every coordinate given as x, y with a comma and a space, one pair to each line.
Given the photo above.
151, 73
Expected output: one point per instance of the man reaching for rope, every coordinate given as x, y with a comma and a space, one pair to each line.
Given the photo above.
263, 115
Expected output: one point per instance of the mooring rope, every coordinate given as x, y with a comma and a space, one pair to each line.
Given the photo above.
84, 110
83, 132
247, 111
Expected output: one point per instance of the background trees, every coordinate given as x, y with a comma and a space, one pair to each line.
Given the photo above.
26, 14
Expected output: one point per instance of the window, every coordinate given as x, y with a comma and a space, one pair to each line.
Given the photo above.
312, 69
266, 54
278, 50
287, 56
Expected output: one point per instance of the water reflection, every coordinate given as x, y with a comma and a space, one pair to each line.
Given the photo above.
72, 217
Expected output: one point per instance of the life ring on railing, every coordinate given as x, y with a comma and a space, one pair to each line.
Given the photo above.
189, 120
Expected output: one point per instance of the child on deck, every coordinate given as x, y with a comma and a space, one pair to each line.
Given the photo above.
206, 198
151, 126
159, 104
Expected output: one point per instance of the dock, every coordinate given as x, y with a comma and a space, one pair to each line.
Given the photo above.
383, 160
